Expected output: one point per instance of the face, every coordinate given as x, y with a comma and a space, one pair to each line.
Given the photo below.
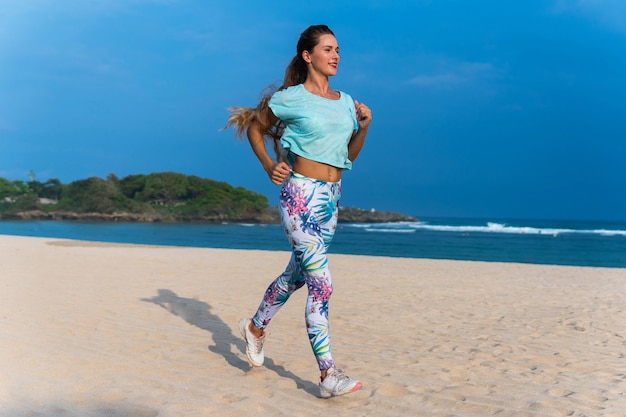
324, 58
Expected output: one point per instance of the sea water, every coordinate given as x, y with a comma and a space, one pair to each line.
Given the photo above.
558, 242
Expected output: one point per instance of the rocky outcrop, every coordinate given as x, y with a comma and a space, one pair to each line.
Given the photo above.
357, 215
347, 215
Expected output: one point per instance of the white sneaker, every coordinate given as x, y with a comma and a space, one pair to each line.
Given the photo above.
338, 383
254, 345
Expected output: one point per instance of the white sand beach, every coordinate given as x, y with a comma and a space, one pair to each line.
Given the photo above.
98, 329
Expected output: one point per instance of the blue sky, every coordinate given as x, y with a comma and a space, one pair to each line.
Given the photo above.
486, 108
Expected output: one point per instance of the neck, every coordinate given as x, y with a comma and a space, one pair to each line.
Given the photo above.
317, 84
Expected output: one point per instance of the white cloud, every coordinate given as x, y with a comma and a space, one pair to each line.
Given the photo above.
608, 13
444, 78
454, 73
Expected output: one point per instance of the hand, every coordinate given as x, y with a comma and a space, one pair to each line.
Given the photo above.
363, 115
278, 172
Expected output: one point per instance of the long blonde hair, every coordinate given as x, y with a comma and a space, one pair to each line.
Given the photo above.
296, 73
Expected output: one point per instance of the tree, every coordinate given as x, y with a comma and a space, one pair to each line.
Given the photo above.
164, 196
132, 186
12, 189
165, 188
51, 189
93, 195
35, 187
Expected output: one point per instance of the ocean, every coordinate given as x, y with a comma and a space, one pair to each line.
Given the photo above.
556, 242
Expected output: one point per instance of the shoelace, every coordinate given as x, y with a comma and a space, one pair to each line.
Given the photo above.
339, 375
258, 345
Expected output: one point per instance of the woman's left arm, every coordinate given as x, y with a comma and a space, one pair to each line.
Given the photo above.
363, 117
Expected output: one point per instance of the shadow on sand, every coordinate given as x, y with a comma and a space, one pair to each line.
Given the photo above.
198, 313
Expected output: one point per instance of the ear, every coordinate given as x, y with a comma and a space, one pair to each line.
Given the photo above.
306, 57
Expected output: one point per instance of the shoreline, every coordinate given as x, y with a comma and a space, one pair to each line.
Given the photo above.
269, 245
100, 329
70, 242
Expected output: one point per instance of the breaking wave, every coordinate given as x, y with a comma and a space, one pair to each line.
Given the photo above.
488, 227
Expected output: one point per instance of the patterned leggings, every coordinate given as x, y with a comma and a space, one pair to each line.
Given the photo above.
308, 211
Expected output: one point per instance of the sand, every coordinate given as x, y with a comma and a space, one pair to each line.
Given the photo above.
96, 329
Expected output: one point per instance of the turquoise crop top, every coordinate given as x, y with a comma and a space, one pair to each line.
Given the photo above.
316, 128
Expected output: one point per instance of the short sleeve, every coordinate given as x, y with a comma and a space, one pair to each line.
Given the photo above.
280, 107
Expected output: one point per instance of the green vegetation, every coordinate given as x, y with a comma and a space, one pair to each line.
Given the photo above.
165, 196
158, 197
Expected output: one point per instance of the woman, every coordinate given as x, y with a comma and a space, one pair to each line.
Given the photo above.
317, 132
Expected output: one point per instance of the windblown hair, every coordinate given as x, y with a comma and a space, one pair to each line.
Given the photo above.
296, 73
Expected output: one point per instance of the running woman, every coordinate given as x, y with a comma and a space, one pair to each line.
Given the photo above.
316, 133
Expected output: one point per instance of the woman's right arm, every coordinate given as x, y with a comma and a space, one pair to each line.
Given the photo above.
277, 172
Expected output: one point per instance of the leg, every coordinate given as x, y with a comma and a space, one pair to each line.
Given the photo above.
274, 298
277, 294
309, 211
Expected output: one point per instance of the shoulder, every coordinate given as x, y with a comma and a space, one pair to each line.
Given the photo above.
288, 102
289, 92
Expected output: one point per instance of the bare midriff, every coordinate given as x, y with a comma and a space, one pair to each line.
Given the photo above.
316, 170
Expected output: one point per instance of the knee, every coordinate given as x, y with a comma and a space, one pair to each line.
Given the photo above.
299, 284
321, 291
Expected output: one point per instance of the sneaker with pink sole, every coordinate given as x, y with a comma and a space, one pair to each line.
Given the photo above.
338, 383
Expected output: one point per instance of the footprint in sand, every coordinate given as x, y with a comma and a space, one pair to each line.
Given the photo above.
391, 389
560, 392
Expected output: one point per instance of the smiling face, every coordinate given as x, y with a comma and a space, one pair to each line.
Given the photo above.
324, 57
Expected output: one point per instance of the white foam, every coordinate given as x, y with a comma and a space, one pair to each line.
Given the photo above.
489, 227
380, 230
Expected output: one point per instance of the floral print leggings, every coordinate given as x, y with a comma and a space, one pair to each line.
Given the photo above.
308, 211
